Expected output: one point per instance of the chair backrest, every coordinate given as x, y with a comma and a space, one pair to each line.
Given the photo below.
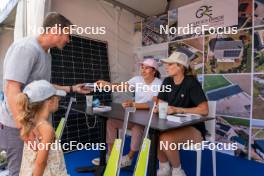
210, 124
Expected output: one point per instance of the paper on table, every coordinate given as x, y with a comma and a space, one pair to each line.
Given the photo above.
90, 85
180, 118
102, 108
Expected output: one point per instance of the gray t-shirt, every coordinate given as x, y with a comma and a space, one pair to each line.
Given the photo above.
25, 61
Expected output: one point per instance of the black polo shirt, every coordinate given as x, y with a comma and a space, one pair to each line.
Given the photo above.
188, 94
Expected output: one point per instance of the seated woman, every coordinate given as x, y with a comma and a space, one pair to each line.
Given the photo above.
186, 96
146, 88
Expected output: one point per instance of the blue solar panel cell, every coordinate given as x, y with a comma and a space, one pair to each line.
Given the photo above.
216, 95
232, 53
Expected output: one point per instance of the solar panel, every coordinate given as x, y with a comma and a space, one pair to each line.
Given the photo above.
232, 53
82, 60
224, 92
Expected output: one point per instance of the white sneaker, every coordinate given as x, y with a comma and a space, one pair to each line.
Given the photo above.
164, 169
96, 161
178, 172
126, 161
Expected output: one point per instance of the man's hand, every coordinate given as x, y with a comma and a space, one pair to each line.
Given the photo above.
81, 89
128, 103
102, 83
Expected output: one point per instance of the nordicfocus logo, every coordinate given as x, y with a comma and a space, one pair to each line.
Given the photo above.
201, 26
204, 11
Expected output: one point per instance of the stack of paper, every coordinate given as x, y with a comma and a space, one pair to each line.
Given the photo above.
102, 108
181, 118
90, 85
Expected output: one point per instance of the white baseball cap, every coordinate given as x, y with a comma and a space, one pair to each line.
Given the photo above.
151, 63
178, 57
41, 90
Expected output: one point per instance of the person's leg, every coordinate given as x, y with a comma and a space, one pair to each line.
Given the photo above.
162, 156
14, 151
3, 137
136, 139
164, 165
181, 135
111, 134
112, 126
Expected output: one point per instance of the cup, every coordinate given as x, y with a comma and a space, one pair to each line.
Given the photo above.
163, 108
89, 104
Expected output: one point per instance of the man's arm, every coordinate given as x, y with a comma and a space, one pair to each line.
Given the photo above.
78, 88
65, 88
11, 90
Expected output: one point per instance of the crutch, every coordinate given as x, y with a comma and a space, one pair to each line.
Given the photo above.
63, 121
114, 162
142, 161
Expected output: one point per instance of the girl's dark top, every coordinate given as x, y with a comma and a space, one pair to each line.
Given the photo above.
188, 94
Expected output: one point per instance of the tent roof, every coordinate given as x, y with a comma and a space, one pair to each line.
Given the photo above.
154, 7
147, 7
8, 13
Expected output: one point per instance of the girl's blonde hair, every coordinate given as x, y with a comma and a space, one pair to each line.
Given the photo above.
27, 112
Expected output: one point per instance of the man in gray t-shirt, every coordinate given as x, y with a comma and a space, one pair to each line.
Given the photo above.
27, 60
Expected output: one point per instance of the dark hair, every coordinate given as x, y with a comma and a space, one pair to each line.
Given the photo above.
157, 74
189, 72
54, 18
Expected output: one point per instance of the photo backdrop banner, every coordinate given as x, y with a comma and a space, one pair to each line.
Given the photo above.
230, 67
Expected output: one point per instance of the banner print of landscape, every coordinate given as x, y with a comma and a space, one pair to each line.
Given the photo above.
231, 71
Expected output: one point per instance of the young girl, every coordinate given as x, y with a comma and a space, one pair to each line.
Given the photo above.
38, 100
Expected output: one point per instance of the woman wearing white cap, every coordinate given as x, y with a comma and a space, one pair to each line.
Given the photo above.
149, 79
186, 96
38, 100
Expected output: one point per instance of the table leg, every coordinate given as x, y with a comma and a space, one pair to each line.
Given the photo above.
98, 170
101, 168
152, 166
103, 152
